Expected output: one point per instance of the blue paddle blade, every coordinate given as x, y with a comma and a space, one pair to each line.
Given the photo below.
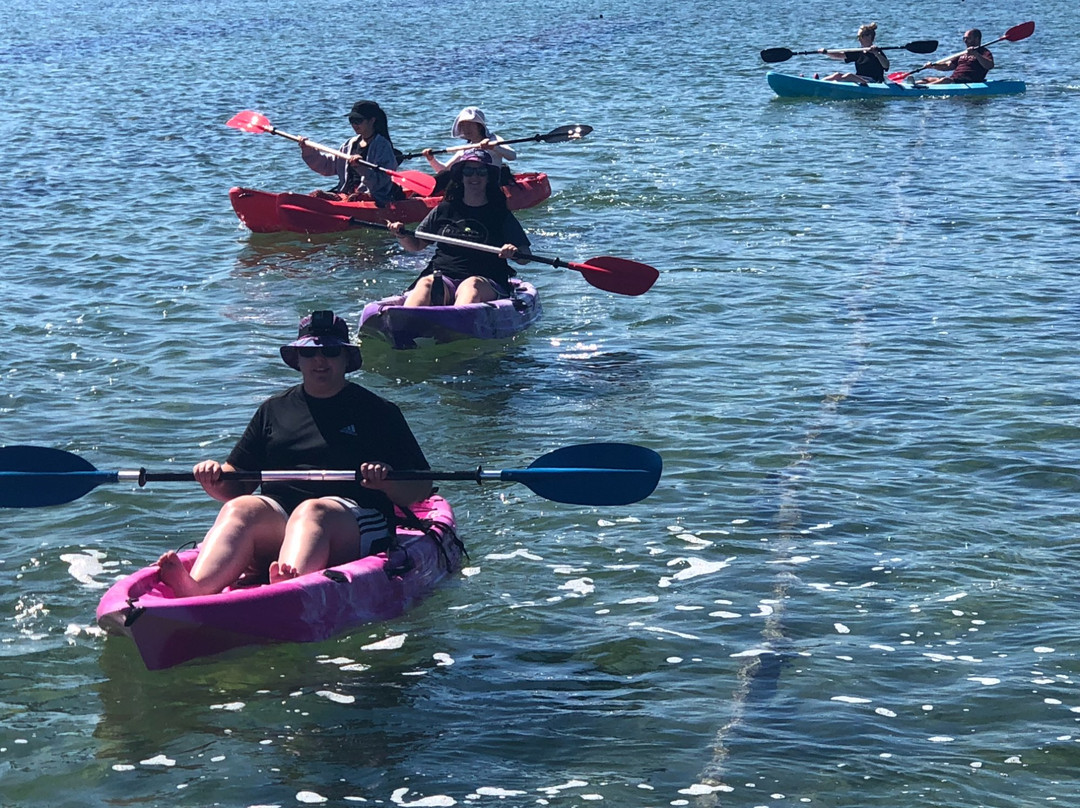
36, 476
593, 474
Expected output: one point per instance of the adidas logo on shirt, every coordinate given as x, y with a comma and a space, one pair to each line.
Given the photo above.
349, 430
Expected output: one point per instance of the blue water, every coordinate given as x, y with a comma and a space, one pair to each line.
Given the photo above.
855, 583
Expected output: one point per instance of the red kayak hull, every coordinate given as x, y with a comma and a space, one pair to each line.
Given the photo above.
258, 209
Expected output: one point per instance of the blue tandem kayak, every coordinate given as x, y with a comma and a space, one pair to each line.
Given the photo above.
786, 85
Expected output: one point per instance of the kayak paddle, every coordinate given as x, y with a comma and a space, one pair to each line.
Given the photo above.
585, 474
560, 134
773, 55
251, 121
1014, 34
618, 275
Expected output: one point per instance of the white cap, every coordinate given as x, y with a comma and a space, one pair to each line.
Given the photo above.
468, 114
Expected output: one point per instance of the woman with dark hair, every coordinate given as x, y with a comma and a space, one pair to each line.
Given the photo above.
371, 144
870, 61
473, 208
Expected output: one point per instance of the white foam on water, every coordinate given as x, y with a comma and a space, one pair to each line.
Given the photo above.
695, 568
389, 644
953, 597
437, 801
310, 797
659, 630
764, 609
725, 615
1042, 649
567, 570
492, 791
579, 586
122, 767
940, 739
521, 552
851, 700
232, 706
644, 599
158, 760
84, 566
551, 791
469, 572
885, 712
841, 628
444, 660
751, 652
325, 660
339, 698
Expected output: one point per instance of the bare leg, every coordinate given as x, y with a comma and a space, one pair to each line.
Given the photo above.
321, 533
248, 529
474, 290
420, 295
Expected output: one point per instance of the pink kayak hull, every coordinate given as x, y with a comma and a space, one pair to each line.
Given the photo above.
168, 630
389, 320
258, 209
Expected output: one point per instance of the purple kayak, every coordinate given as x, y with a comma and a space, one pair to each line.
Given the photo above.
499, 319
168, 630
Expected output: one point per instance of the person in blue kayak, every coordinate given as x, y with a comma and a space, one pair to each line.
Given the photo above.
372, 144
471, 125
969, 67
296, 527
870, 61
473, 208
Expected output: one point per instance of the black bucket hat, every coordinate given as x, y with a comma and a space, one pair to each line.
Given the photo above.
318, 329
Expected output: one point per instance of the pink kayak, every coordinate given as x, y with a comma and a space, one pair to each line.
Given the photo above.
499, 319
258, 209
168, 630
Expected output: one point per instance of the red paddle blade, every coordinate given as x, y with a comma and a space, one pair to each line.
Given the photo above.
898, 76
249, 121
416, 181
618, 275
1021, 31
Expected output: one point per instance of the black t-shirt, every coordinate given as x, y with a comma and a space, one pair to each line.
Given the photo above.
485, 224
293, 430
866, 64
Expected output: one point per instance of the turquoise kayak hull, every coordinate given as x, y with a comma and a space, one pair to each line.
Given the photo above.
788, 86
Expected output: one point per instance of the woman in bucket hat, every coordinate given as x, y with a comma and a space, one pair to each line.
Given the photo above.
295, 527
473, 208
372, 144
471, 125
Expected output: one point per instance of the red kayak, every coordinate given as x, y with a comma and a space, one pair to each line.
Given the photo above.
258, 209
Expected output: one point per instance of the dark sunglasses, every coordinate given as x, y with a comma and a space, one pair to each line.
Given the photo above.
329, 351
474, 171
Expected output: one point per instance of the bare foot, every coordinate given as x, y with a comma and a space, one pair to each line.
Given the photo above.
280, 571
175, 574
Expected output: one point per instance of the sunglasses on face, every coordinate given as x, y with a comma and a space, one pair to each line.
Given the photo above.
473, 171
329, 351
